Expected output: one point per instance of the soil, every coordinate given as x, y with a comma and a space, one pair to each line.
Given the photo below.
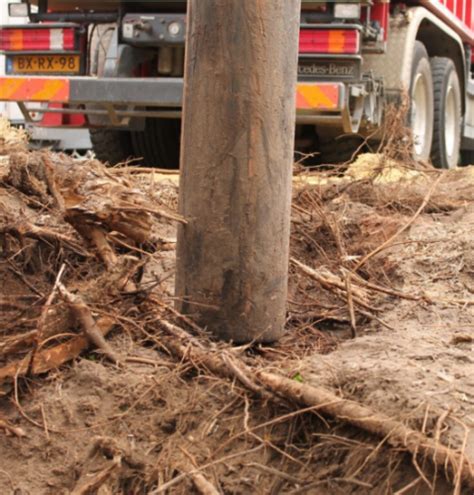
151, 421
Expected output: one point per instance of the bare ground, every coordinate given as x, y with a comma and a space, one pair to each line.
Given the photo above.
155, 422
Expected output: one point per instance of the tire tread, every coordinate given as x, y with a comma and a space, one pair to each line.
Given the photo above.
440, 66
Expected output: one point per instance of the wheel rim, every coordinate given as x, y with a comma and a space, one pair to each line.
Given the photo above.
450, 121
419, 114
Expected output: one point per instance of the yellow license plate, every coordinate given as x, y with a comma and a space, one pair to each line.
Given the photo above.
46, 64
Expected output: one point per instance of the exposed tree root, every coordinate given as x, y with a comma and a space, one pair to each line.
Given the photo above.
52, 358
14, 430
326, 402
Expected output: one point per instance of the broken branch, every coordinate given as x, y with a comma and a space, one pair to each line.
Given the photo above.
82, 312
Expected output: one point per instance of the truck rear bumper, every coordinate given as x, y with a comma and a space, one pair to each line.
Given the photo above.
121, 99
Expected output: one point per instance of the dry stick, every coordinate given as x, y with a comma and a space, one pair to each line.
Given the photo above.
329, 279
23, 279
182, 476
335, 284
44, 315
104, 249
54, 357
403, 295
12, 485
28, 229
51, 183
94, 482
243, 377
370, 316
402, 229
83, 314
200, 482
397, 434
16, 401
142, 170
45, 423
315, 484
378, 288
11, 344
19, 432
274, 471
408, 487
155, 211
350, 304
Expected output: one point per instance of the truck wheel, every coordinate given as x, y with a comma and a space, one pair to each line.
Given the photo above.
421, 103
158, 144
467, 157
111, 147
447, 113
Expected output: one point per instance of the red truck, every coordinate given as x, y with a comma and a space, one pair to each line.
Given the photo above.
119, 66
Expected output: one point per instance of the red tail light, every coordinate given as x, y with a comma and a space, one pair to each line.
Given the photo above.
16, 39
329, 41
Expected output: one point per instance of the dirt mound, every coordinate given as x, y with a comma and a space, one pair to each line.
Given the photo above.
381, 253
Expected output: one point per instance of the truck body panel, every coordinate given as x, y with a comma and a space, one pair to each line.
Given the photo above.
457, 14
41, 128
353, 59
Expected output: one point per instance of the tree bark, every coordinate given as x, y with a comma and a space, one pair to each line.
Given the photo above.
236, 165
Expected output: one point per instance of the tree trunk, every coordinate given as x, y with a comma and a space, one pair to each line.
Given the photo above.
236, 165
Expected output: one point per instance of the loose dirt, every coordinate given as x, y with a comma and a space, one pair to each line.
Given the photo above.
157, 424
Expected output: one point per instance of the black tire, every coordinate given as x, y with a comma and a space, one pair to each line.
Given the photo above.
467, 157
421, 74
111, 147
158, 144
445, 149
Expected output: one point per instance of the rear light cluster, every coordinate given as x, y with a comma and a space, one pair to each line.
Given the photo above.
16, 39
334, 41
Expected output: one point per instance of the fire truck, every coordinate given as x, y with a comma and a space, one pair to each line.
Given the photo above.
116, 67
65, 138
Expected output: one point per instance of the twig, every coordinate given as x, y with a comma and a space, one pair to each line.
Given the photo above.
408, 487
276, 472
24, 280
155, 211
54, 357
92, 483
378, 288
49, 173
431, 190
334, 283
16, 401
97, 236
202, 484
15, 430
28, 229
182, 476
44, 315
243, 377
315, 484
89, 326
350, 304
45, 424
